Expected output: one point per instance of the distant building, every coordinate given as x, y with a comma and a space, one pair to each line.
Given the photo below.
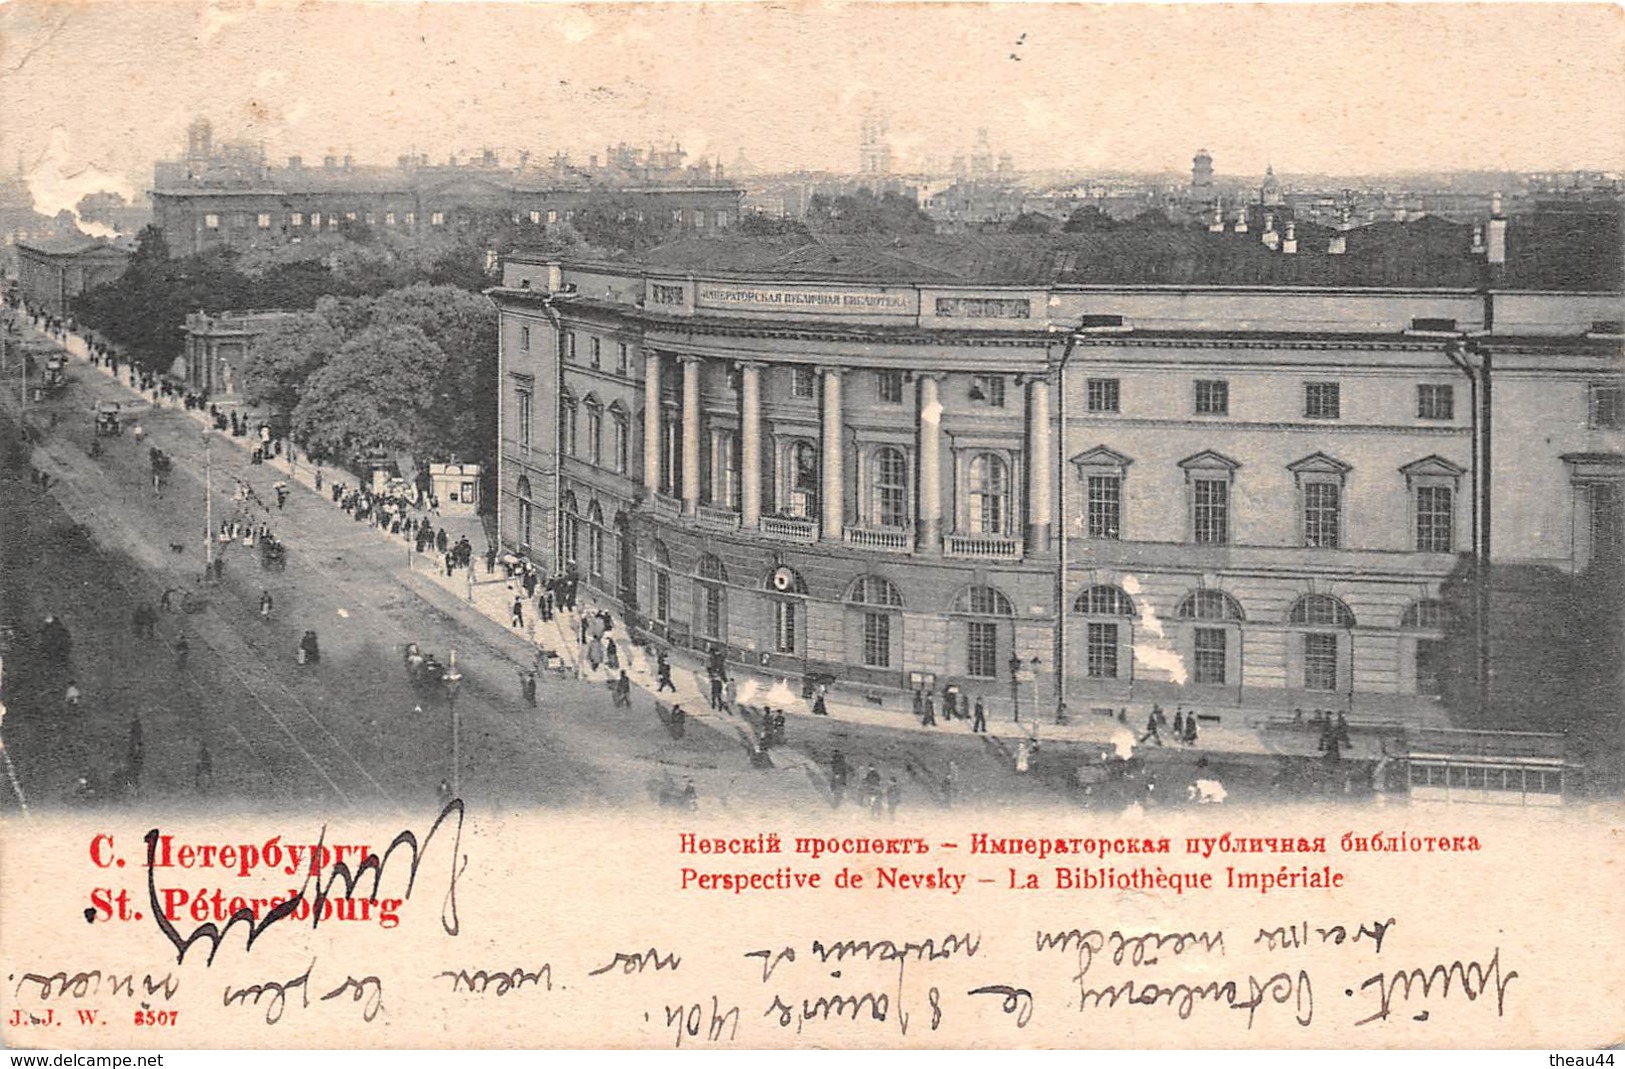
51, 272
217, 346
229, 196
1202, 177
1269, 191
1149, 464
874, 153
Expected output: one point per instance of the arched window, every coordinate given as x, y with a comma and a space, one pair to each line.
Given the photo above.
1425, 615
873, 590
1324, 652
801, 480
1321, 610
526, 519
595, 541
570, 544
889, 482
875, 601
1104, 600
982, 635
567, 424
595, 430
1210, 605
989, 495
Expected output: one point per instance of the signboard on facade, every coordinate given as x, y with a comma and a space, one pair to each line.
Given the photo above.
807, 300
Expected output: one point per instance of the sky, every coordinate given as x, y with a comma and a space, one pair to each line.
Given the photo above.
93, 91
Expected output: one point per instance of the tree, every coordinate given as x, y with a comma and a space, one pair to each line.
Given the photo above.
284, 357
861, 212
760, 225
1087, 219
620, 223
377, 392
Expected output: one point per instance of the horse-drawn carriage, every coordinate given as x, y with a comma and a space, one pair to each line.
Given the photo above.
273, 554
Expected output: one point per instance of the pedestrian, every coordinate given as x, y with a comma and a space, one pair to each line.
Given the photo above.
441, 541
623, 691
716, 692
979, 723
930, 720
837, 775
72, 695
663, 674
491, 562
527, 686
919, 706
517, 612
1179, 722
894, 797
730, 695
265, 605
819, 708
612, 655
1151, 725
595, 652
1190, 729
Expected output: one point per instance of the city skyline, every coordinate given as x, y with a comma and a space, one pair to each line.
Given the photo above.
1330, 89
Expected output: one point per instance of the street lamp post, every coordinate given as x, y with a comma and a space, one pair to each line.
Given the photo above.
453, 681
208, 508
1015, 686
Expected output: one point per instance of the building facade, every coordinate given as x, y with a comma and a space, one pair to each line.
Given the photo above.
217, 346
847, 461
51, 272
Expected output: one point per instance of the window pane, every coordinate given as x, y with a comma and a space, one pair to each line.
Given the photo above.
877, 640
988, 499
891, 488
784, 630
1320, 662
1435, 402
1211, 522
1434, 519
1105, 506
1102, 651
982, 649
1210, 650
1321, 400
890, 387
1103, 395
1429, 666
1212, 397
1321, 510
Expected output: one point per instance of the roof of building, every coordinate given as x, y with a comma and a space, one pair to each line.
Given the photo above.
70, 246
1544, 252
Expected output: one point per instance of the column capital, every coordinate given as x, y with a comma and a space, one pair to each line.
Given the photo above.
933, 375
834, 370
688, 358
750, 365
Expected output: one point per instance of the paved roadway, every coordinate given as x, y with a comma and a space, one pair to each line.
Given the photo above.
346, 731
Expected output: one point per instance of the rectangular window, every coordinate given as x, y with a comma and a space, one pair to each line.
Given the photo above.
1435, 519
1103, 395
1105, 506
1435, 401
722, 220
988, 389
349, 217
1322, 400
264, 220
1606, 522
1102, 651
595, 436
663, 596
1210, 654
623, 360
371, 218
211, 221
803, 382
570, 346
1212, 397
389, 218
296, 219
437, 219
784, 627
535, 218
524, 418
713, 612
1430, 660
597, 354
568, 415
877, 640
552, 216
316, 220
1319, 662
1210, 502
1606, 411
984, 307
620, 431
1322, 512
982, 649
524, 339
725, 469
411, 218
889, 387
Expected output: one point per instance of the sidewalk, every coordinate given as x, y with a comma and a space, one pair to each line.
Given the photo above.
492, 595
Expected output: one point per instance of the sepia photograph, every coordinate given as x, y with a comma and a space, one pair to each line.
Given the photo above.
608, 440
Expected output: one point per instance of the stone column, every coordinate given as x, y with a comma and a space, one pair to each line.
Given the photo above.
833, 467
691, 435
928, 529
750, 445
651, 422
1039, 491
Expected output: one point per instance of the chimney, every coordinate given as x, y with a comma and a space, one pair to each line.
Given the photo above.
1337, 245
403, 162
349, 162
1217, 225
524, 160
1270, 238
1496, 243
489, 157
1478, 239
329, 162
294, 163
1241, 220
1291, 242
